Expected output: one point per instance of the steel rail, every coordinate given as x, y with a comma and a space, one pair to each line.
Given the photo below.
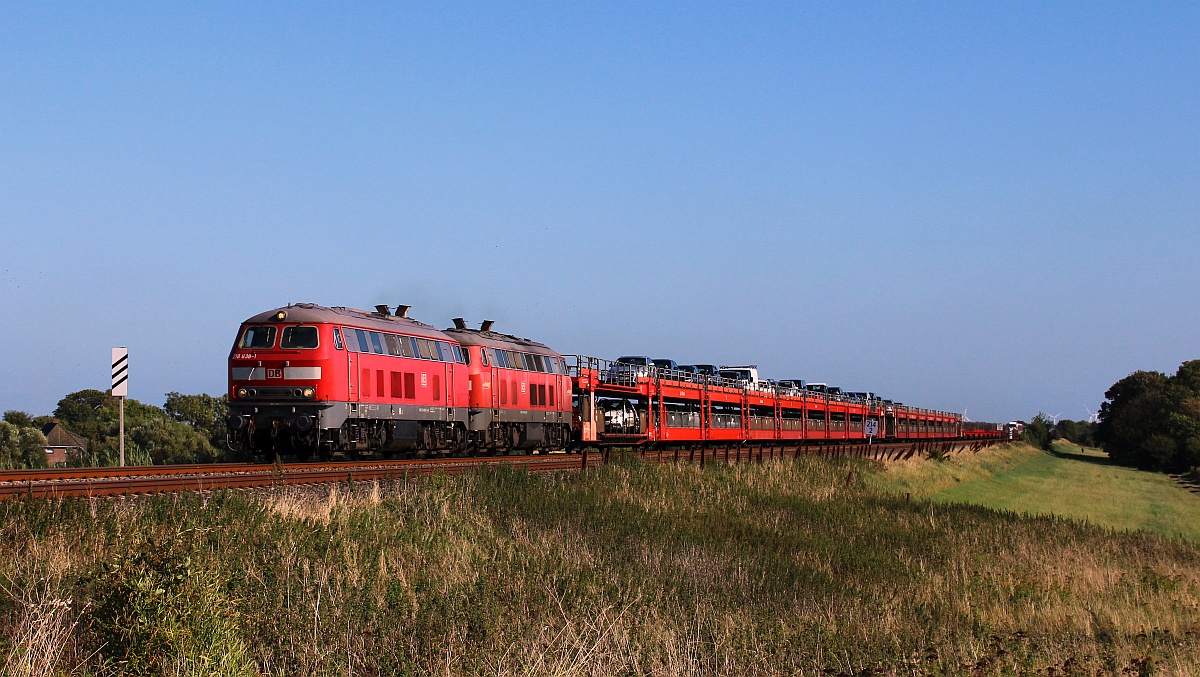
108, 471
250, 475
49, 474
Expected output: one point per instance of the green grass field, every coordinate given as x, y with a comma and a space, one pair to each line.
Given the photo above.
786, 567
1071, 483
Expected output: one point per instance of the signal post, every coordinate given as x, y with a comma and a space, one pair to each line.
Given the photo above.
120, 390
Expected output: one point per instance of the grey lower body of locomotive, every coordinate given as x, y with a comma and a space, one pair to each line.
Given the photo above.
268, 428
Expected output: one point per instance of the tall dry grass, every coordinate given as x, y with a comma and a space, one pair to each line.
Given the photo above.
785, 567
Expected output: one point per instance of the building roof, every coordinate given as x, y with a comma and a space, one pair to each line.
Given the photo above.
59, 436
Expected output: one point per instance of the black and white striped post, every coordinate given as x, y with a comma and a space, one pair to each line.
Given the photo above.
120, 390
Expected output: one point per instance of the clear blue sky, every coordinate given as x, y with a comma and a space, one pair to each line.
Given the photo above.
983, 205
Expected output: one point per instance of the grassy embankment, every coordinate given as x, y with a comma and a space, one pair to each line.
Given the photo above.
1082, 485
789, 567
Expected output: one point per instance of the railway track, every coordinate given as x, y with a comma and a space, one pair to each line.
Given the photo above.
134, 480
137, 480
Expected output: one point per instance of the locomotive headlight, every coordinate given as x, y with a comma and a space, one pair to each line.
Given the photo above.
279, 316
308, 392
241, 392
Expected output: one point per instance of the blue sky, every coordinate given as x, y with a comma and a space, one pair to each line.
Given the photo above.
993, 206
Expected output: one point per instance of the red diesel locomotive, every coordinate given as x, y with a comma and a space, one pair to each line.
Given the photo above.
307, 379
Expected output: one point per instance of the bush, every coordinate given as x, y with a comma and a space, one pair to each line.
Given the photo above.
21, 447
184, 432
1039, 432
158, 613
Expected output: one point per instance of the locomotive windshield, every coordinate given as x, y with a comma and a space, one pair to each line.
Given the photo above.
258, 337
299, 337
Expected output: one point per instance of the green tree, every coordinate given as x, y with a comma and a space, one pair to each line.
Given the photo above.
21, 447
1076, 432
1038, 432
203, 412
1151, 420
18, 418
183, 435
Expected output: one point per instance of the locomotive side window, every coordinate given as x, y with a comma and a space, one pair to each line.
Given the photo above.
258, 337
337, 338
444, 350
426, 347
362, 341
298, 337
376, 343
537, 362
393, 347
483, 356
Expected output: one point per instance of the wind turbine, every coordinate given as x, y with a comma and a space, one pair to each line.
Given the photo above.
1055, 417
965, 419
1093, 417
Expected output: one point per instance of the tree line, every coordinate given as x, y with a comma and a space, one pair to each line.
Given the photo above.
186, 429
1042, 432
1150, 420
